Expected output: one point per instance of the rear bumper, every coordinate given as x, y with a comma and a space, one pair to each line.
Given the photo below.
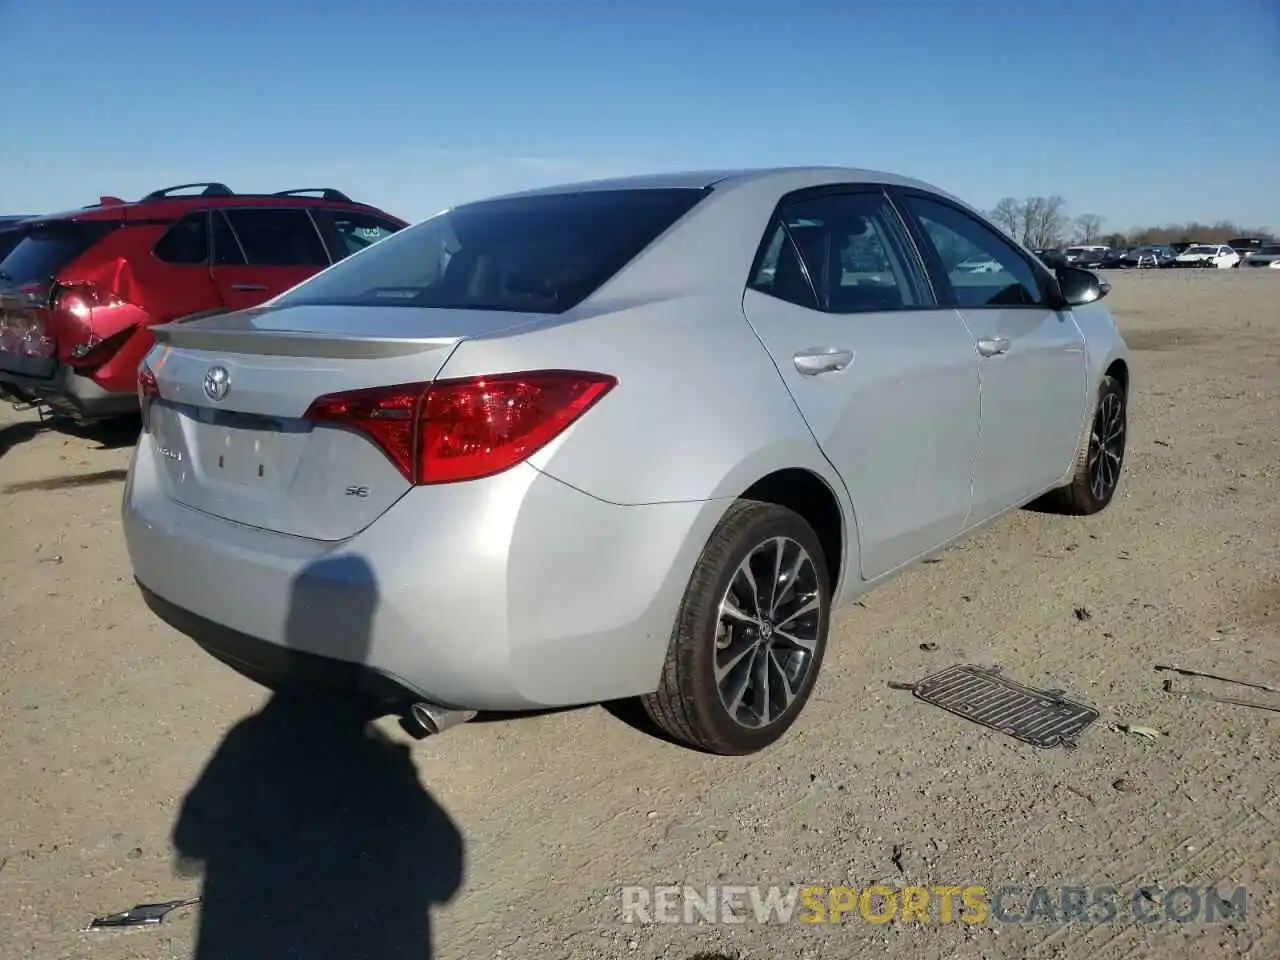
508, 593
62, 389
268, 661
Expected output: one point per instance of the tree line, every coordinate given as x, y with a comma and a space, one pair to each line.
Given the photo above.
1043, 223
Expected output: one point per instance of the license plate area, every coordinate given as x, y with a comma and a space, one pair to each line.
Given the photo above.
245, 449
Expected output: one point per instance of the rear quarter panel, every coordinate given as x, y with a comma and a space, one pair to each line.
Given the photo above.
699, 412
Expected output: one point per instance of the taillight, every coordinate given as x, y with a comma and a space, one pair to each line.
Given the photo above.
148, 390
75, 308
465, 429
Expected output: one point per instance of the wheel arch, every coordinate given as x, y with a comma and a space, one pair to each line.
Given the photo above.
813, 498
1119, 369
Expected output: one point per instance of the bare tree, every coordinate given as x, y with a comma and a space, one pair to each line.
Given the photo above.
1036, 222
1044, 221
1007, 215
1089, 227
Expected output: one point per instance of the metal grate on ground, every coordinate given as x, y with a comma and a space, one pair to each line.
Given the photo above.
1041, 718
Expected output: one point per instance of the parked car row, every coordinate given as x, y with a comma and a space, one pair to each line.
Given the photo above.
1268, 255
1182, 254
80, 291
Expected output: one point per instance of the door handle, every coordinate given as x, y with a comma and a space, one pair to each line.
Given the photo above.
818, 360
993, 346
249, 287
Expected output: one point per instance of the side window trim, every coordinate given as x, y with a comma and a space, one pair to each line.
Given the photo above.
915, 261
323, 219
916, 255
775, 223
1048, 281
231, 232
324, 243
933, 265
798, 251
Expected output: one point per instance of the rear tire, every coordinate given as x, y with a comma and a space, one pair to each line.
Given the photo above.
750, 634
1100, 459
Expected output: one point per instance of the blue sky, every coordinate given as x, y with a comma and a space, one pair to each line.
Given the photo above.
1139, 110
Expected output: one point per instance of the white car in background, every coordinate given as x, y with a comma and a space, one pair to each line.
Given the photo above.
980, 263
1207, 255
1267, 256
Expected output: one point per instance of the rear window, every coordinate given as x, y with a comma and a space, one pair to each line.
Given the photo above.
48, 247
8, 240
537, 254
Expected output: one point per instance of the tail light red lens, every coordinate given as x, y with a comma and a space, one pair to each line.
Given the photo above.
148, 390
465, 429
74, 308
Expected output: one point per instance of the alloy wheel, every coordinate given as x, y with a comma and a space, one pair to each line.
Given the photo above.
767, 632
1106, 446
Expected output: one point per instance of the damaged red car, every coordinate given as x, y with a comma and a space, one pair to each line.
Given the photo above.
80, 292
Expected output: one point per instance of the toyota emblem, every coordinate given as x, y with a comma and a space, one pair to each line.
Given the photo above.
217, 383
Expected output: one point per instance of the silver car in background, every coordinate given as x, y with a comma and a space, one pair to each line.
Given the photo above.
636, 437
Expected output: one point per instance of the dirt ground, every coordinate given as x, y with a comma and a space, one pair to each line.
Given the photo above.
132, 766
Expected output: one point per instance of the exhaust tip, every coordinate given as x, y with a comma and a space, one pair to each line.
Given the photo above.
428, 719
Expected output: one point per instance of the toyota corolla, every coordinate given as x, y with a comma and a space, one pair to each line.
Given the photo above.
631, 438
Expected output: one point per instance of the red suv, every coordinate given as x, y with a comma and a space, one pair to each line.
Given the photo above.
80, 291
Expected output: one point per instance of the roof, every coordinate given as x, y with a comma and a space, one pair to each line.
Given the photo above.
788, 178
167, 203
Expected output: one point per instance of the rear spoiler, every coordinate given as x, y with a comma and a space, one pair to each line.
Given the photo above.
235, 333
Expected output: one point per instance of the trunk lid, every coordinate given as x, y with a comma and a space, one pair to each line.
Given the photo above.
251, 456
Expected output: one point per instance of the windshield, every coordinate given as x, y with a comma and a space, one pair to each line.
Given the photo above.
1202, 251
535, 254
1271, 250
48, 247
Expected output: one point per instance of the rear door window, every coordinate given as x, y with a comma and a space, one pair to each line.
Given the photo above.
278, 237
48, 247
847, 249
538, 254
187, 241
8, 240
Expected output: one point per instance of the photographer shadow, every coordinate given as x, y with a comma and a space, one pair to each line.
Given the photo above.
312, 830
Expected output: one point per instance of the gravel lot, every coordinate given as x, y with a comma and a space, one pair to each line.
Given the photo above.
132, 765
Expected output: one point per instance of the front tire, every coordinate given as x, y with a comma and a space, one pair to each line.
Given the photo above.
750, 634
1101, 456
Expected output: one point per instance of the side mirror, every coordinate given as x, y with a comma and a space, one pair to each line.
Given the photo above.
1081, 286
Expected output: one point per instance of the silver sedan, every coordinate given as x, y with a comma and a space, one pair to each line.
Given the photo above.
630, 438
